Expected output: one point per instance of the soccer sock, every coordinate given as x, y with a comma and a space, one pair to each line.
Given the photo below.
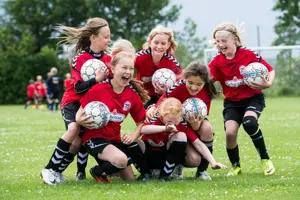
56, 106
61, 149
233, 155
51, 106
68, 159
175, 156
82, 158
106, 168
134, 151
204, 163
259, 143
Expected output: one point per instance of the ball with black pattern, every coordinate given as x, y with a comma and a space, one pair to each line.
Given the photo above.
99, 112
89, 68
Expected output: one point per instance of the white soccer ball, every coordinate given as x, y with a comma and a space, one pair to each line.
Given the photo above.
253, 72
164, 77
195, 106
99, 112
89, 68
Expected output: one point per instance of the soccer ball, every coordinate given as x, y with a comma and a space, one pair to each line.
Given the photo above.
164, 77
99, 112
253, 72
89, 68
194, 105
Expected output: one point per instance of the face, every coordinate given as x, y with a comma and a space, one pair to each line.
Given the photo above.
194, 84
226, 43
170, 119
123, 71
102, 40
159, 44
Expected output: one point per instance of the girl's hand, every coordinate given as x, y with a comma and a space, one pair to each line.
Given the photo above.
260, 86
101, 75
158, 89
84, 120
218, 166
128, 138
150, 113
192, 119
171, 129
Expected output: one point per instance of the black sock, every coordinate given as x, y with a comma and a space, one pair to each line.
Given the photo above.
56, 106
106, 168
204, 163
175, 156
233, 155
259, 143
135, 153
68, 159
82, 158
51, 106
61, 149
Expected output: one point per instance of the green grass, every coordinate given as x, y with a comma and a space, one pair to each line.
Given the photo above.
28, 138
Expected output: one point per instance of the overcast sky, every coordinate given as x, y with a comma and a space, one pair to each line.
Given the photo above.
209, 13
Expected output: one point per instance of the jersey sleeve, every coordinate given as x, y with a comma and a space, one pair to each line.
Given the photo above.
75, 70
137, 111
191, 135
213, 70
89, 96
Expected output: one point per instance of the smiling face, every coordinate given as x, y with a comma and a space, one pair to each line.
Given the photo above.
194, 84
159, 44
226, 43
101, 41
123, 70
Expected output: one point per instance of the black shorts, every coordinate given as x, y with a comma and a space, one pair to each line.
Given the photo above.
97, 145
152, 100
155, 156
68, 113
53, 95
236, 110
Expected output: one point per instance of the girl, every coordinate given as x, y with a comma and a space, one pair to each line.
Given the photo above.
92, 40
196, 83
165, 139
243, 103
104, 144
156, 54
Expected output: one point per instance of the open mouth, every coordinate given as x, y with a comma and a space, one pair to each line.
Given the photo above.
126, 79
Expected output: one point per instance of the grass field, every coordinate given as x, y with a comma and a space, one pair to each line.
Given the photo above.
28, 138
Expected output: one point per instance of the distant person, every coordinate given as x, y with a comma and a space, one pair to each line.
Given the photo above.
67, 81
30, 93
243, 103
53, 86
39, 91
157, 53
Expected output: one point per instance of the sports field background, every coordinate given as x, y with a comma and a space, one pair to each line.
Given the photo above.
28, 138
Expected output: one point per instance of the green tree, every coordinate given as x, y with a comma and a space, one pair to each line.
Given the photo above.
287, 27
190, 46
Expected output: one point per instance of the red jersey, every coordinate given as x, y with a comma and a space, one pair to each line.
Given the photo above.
228, 73
180, 92
39, 89
145, 67
119, 105
70, 94
30, 91
67, 83
160, 139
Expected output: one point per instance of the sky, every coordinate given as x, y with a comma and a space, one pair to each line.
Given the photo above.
207, 14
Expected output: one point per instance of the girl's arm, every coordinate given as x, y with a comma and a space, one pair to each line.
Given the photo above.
128, 138
150, 129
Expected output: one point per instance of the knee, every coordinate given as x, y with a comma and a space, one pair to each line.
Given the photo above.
250, 125
206, 131
120, 160
180, 136
73, 129
192, 159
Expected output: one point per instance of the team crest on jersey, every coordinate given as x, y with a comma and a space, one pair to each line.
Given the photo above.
146, 79
116, 117
235, 82
127, 106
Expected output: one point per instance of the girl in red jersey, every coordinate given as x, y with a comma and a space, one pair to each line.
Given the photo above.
105, 144
67, 81
196, 83
92, 40
30, 93
165, 139
156, 54
243, 103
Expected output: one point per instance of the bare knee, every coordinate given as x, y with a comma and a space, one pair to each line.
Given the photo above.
120, 160
192, 159
206, 131
180, 136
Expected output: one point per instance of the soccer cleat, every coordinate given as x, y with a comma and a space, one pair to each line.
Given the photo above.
48, 176
100, 179
235, 170
178, 172
59, 178
165, 179
80, 176
268, 167
155, 173
203, 175
144, 177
